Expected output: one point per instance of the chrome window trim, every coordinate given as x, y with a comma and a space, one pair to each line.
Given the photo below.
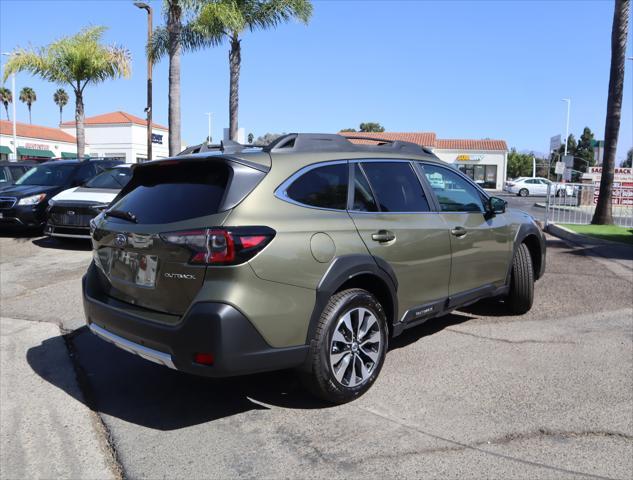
15, 200
281, 192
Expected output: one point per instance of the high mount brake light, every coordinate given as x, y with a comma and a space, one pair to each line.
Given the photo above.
220, 246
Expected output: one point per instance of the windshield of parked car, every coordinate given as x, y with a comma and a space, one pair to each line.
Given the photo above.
48, 175
114, 179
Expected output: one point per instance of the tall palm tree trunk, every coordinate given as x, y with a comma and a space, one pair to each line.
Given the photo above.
174, 27
60, 114
603, 214
235, 60
6, 109
29, 106
79, 124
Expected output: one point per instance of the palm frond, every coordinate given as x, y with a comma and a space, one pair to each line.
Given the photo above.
75, 60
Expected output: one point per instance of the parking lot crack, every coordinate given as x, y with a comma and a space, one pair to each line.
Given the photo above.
455, 445
103, 432
514, 342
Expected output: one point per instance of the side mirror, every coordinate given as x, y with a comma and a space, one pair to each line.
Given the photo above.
496, 205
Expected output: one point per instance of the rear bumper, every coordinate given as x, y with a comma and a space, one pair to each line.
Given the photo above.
216, 328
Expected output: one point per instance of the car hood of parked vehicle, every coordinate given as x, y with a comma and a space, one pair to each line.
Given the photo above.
82, 194
20, 191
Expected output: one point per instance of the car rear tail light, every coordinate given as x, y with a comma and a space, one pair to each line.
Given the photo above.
221, 246
203, 358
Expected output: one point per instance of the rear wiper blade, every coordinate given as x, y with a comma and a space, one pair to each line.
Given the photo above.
129, 216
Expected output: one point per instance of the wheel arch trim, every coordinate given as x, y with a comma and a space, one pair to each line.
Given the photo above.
346, 268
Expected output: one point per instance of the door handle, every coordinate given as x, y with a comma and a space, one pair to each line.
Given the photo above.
383, 236
459, 231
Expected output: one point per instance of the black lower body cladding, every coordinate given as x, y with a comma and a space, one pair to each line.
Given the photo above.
216, 328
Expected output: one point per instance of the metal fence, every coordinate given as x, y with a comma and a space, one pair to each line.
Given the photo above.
575, 203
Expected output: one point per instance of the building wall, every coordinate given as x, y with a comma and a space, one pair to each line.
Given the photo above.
469, 158
54, 146
128, 142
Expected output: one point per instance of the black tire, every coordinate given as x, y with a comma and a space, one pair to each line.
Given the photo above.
521, 296
320, 378
524, 192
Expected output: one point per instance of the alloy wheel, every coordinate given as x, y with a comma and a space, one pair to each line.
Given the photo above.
356, 347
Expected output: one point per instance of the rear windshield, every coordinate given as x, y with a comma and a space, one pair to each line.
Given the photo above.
166, 193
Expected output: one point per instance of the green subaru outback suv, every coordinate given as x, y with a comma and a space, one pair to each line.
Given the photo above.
311, 253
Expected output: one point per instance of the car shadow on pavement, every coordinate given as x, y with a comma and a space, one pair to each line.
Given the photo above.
77, 244
118, 384
430, 327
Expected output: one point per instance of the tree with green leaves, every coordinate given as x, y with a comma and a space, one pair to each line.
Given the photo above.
171, 40
267, 138
60, 97
571, 146
519, 164
78, 60
628, 163
28, 96
584, 151
348, 130
371, 127
6, 97
228, 19
619, 34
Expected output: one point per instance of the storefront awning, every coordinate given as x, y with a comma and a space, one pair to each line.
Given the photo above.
5, 150
34, 152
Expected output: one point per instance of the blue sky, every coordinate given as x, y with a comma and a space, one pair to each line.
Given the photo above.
469, 69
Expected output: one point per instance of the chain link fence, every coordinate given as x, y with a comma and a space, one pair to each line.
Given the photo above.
575, 203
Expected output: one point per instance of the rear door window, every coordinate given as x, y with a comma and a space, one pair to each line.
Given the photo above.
364, 200
323, 187
172, 192
396, 187
3, 175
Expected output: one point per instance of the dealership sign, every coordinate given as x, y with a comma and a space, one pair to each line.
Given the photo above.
622, 192
156, 138
36, 146
465, 157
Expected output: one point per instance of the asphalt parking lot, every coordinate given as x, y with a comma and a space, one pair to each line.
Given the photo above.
476, 394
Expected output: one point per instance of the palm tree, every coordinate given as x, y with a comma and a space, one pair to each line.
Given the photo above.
60, 97
6, 97
78, 60
172, 40
619, 32
228, 19
28, 96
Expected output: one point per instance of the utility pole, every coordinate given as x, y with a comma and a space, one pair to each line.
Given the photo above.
148, 109
208, 114
14, 155
568, 101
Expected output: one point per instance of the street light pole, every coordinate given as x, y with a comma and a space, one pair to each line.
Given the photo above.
568, 101
148, 109
208, 114
13, 94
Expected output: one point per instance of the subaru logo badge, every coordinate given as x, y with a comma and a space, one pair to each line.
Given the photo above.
71, 212
120, 240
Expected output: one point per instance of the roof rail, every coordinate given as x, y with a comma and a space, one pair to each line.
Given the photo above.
319, 142
228, 146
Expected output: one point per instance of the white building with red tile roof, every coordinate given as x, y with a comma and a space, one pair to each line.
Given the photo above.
485, 160
121, 135
35, 142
